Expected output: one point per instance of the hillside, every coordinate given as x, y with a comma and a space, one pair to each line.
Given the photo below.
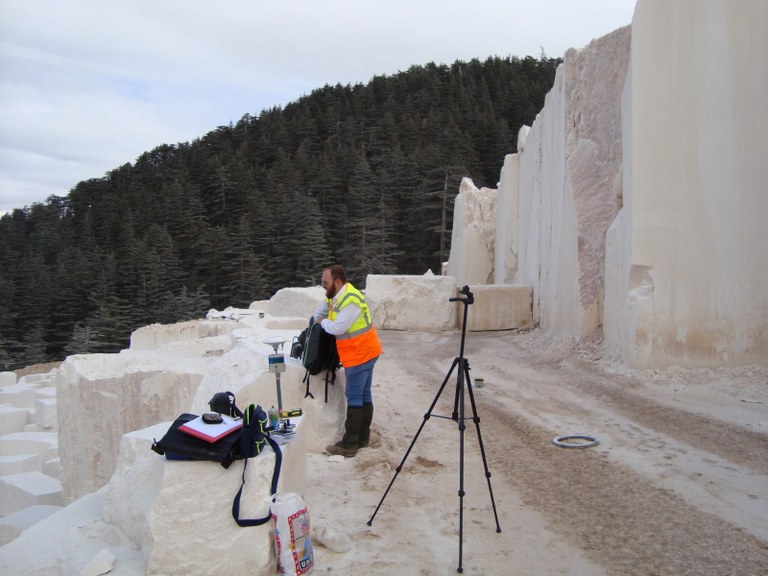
364, 175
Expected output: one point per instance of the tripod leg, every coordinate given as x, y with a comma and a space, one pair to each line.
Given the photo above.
460, 401
476, 420
459, 390
413, 442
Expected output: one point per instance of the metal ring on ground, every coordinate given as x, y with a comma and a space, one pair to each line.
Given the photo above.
589, 441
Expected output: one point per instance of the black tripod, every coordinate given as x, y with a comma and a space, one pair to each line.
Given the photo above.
457, 416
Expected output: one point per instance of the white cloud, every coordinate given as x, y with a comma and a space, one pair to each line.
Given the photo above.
88, 86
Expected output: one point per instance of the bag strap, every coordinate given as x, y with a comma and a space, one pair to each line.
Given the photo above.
330, 378
327, 379
306, 379
245, 522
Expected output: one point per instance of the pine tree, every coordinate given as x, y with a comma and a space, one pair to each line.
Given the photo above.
84, 340
242, 268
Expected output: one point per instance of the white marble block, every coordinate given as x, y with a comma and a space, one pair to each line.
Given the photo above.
12, 419
411, 302
14, 524
39, 379
473, 237
156, 336
21, 395
497, 307
18, 491
296, 302
45, 413
43, 444
122, 392
52, 467
180, 513
7, 379
17, 463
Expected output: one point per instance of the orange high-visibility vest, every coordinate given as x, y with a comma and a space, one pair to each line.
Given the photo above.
361, 342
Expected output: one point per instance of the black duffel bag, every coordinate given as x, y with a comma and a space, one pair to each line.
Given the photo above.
178, 445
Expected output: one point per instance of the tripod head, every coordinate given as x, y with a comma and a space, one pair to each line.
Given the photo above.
470, 299
466, 300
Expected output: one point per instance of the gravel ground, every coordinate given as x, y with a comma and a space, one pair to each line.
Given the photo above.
678, 483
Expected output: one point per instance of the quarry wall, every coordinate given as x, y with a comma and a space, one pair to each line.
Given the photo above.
567, 187
688, 260
634, 207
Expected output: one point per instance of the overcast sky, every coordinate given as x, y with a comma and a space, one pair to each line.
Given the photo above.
89, 85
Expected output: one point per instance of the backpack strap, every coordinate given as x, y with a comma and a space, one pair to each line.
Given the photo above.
330, 374
245, 522
308, 393
330, 378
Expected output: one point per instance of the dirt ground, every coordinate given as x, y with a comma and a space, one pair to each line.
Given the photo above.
678, 483
37, 369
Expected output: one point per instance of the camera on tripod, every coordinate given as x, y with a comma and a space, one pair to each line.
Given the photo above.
470, 298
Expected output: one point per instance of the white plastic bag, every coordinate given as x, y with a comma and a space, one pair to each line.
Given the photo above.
292, 534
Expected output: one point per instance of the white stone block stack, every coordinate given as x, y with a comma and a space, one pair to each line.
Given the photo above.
30, 489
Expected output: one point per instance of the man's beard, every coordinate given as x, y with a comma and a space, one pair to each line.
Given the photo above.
331, 292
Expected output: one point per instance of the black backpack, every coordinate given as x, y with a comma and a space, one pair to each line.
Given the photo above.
317, 350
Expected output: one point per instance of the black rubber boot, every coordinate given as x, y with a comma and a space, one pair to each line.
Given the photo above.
350, 443
365, 429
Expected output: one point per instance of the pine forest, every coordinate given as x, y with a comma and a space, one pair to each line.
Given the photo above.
363, 175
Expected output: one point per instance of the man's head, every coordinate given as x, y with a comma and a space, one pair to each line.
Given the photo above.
334, 278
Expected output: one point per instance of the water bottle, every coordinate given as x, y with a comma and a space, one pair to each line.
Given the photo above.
274, 417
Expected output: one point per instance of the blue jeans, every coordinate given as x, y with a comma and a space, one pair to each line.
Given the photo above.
359, 380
